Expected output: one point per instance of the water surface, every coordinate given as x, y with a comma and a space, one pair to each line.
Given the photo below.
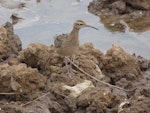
42, 21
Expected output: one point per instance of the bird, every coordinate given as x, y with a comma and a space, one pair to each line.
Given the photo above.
67, 45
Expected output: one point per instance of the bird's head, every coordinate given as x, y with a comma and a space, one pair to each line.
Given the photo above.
81, 24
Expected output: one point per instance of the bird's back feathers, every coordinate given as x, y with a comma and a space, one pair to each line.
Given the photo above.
60, 39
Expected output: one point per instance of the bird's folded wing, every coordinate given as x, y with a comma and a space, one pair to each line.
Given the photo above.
60, 39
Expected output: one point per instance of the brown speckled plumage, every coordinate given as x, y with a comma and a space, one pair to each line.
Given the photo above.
68, 44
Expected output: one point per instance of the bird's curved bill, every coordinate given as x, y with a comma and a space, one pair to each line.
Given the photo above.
92, 27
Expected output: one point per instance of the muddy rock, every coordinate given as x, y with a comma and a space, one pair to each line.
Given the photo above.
41, 75
131, 11
89, 59
139, 4
144, 63
98, 100
12, 108
46, 60
10, 43
37, 77
51, 64
15, 18
37, 56
136, 105
119, 7
20, 78
76, 90
119, 65
11, 4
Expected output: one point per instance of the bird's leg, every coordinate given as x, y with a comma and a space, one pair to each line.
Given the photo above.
69, 69
72, 58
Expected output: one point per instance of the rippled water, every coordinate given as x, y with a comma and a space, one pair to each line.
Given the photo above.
42, 21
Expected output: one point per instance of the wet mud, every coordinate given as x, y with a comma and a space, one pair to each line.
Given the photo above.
35, 80
135, 13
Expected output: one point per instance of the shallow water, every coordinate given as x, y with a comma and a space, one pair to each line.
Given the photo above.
42, 21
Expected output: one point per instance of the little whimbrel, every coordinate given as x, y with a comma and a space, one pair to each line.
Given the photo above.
68, 44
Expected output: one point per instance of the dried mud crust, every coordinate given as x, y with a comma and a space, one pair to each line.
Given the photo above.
34, 80
131, 11
10, 43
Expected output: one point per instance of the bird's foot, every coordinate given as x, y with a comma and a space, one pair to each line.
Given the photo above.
69, 68
70, 73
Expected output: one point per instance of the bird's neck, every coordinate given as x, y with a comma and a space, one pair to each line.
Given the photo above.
75, 33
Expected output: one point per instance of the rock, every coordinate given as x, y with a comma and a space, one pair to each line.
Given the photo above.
41, 77
98, 100
13, 108
42, 57
11, 4
131, 11
122, 104
139, 4
9, 42
37, 76
76, 90
137, 106
144, 63
117, 57
89, 59
20, 78
15, 42
12, 61
49, 63
3, 41
15, 18
119, 7
118, 64
33, 54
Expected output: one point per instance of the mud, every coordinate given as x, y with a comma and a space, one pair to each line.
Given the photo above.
131, 11
34, 80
